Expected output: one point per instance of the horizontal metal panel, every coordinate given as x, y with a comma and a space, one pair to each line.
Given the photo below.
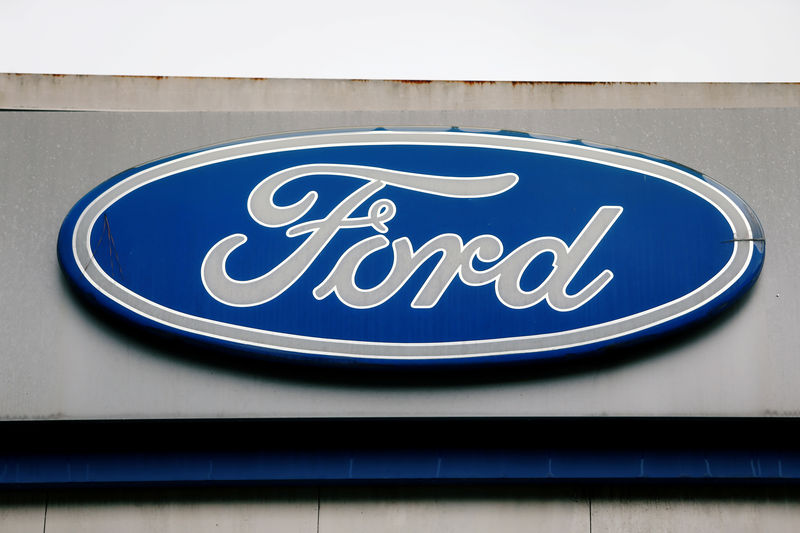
61, 361
222, 452
160, 93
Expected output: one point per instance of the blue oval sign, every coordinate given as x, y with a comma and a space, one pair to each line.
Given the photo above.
411, 246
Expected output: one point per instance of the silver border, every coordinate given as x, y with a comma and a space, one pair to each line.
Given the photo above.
272, 340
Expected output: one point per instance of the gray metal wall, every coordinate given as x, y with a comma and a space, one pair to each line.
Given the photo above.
58, 361
395, 509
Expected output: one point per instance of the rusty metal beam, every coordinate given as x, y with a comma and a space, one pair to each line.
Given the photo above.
148, 93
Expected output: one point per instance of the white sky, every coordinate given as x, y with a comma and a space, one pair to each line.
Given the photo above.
568, 40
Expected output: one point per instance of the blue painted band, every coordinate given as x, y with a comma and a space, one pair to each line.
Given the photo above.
398, 465
317, 451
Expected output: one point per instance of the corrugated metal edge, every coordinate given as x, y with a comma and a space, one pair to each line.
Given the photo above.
147, 93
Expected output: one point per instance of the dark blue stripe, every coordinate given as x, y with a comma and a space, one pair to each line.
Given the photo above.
401, 465
128, 452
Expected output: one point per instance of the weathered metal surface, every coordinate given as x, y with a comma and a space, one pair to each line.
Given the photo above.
140, 93
328, 509
22, 512
58, 361
239, 510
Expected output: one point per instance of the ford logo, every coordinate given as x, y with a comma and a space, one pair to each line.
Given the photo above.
411, 246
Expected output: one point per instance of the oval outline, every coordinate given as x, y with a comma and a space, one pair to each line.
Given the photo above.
277, 343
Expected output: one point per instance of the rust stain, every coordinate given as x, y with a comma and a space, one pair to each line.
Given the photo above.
167, 78
520, 83
413, 82
513, 83
460, 82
